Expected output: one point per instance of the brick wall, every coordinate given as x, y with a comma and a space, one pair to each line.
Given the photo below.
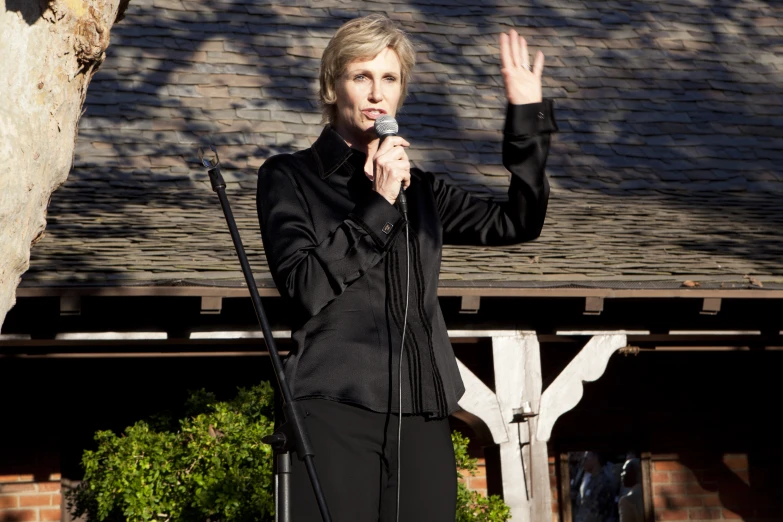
689, 487
678, 494
477, 482
709, 485
22, 499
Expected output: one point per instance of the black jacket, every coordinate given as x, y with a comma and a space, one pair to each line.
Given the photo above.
338, 250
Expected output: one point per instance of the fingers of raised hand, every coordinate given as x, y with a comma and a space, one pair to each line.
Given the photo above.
519, 50
522, 80
514, 54
505, 51
538, 64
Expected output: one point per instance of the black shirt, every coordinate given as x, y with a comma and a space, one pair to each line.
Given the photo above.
337, 249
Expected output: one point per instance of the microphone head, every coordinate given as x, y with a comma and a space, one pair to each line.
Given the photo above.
386, 125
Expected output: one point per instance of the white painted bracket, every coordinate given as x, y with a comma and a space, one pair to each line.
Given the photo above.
482, 402
567, 389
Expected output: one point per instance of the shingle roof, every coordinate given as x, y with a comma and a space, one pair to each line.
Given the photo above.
118, 233
666, 166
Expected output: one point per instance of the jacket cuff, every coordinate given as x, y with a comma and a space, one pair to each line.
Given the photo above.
379, 219
530, 118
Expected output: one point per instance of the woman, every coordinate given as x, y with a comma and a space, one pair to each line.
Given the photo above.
338, 248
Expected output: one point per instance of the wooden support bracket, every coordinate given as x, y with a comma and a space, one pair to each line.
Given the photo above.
711, 306
211, 305
70, 305
594, 305
470, 304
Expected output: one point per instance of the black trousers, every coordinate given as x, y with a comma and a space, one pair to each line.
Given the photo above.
356, 459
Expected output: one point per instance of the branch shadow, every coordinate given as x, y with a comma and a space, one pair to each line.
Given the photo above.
647, 112
30, 10
244, 78
679, 106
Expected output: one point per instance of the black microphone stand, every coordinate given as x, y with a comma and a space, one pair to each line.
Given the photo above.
292, 434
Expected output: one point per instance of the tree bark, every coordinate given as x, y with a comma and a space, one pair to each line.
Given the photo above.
50, 50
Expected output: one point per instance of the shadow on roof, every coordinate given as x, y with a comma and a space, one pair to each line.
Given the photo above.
670, 107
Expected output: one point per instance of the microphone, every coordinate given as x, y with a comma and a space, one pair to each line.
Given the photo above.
386, 126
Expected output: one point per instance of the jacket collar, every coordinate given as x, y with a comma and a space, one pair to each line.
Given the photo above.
331, 152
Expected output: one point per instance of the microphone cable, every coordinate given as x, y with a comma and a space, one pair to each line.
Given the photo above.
402, 350
386, 126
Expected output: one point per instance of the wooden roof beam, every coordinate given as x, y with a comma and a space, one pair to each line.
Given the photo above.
443, 291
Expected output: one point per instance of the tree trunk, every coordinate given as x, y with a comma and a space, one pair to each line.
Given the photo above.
50, 50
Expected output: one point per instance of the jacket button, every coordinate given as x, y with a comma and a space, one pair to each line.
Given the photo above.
540, 115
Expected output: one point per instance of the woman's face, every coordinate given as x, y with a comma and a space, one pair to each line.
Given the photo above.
366, 90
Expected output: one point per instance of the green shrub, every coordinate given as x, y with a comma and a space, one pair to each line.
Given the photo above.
211, 465
471, 505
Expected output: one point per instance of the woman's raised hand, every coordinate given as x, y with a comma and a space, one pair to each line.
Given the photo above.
391, 168
523, 82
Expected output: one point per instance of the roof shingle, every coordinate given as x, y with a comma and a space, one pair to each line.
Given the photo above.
666, 165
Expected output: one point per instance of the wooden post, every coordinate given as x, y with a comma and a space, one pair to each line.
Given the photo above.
564, 476
649, 515
524, 461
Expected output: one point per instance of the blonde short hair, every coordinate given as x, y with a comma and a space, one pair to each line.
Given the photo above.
361, 38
